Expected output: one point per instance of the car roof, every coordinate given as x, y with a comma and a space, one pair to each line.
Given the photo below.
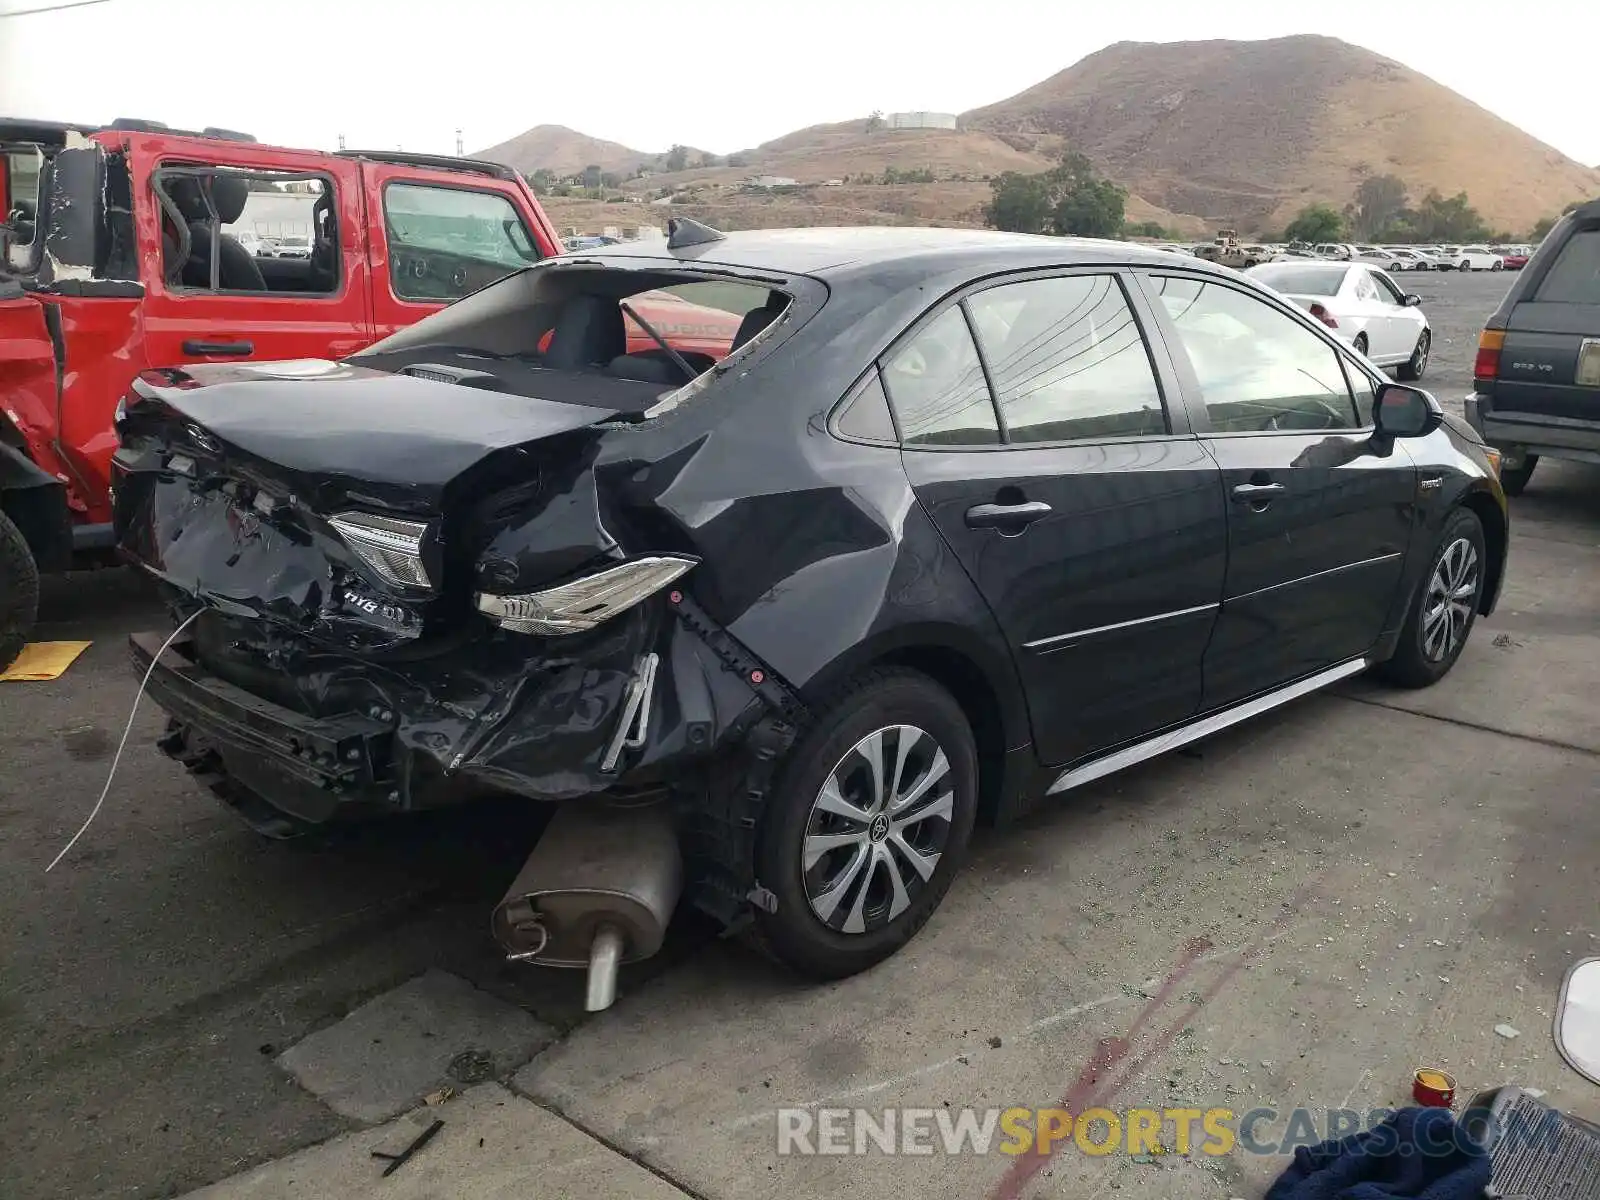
825, 252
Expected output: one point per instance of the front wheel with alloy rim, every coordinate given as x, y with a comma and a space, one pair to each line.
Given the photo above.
1444, 607
868, 825
1415, 366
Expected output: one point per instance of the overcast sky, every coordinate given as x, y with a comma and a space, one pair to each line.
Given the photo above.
718, 75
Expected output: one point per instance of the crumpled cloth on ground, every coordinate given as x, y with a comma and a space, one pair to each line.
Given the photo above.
1415, 1153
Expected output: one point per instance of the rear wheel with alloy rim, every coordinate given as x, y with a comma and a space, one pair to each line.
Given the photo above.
1444, 607
1417, 365
868, 826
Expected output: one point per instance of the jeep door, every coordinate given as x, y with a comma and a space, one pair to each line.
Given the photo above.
436, 236
1043, 434
310, 308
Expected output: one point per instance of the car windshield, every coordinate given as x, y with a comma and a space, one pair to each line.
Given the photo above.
1300, 280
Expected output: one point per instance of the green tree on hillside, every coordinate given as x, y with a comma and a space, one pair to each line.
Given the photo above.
1020, 203
677, 158
1086, 205
1071, 199
1454, 220
1316, 223
590, 176
1145, 229
1379, 200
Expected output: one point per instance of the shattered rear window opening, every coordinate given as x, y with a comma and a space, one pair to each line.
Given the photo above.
633, 339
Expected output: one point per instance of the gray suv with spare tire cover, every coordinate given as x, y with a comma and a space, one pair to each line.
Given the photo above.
1536, 380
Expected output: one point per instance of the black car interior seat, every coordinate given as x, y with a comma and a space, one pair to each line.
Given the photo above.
589, 332
757, 319
236, 267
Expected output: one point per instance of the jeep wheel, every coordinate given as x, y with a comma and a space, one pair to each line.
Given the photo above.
1516, 479
19, 592
1444, 607
868, 825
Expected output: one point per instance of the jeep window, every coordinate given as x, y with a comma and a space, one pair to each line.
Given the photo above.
1574, 277
268, 232
445, 242
23, 166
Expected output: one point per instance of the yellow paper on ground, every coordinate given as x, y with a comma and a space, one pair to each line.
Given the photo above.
40, 661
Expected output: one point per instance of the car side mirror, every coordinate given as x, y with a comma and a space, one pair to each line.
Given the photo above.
1400, 411
1411, 300
1577, 1023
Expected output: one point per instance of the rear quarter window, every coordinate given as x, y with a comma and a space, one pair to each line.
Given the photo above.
1574, 277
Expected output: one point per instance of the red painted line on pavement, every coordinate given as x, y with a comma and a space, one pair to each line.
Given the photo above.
1094, 1089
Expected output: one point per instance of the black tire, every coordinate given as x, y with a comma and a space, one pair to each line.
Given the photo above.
1465, 265
1420, 660
1497, 265
796, 934
1360, 343
1417, 365
1395, 266
19, 592
1515, 480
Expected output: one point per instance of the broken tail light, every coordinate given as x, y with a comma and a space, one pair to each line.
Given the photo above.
1487, 364
390, 546
1322, 314
581, 604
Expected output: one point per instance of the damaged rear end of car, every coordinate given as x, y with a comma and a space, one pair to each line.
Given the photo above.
441, 571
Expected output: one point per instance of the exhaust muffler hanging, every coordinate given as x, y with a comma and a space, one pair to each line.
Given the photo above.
597, 892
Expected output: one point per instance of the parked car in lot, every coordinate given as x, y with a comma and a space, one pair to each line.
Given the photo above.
1411, 260
964, 519
1343, 251
1386, 260
1478, 258
1361, 306
1514, 258
1536, 379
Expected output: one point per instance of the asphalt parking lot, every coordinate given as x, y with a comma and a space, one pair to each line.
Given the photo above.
1297, 912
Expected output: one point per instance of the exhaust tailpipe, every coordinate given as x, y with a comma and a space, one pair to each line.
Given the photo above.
597, 892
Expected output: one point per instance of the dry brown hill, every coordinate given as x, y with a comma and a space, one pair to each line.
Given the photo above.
1248, 132
1203, 134
564, 151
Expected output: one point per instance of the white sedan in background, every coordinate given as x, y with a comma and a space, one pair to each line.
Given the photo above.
1362, 307
1412, 260
1478, 258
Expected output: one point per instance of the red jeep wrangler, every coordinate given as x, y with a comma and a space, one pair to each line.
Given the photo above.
135, 246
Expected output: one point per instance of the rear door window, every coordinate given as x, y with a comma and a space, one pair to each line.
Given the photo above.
935, 382
1574, 277
446, 242
1068, 360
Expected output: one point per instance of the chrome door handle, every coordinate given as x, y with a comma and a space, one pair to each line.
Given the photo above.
1255, 493
1006, 516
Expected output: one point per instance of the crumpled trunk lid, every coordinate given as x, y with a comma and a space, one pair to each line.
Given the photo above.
234, 483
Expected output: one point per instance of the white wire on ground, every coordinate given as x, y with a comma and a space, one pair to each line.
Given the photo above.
127, 729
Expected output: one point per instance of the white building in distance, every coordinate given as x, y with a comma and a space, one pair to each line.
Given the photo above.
921, 120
